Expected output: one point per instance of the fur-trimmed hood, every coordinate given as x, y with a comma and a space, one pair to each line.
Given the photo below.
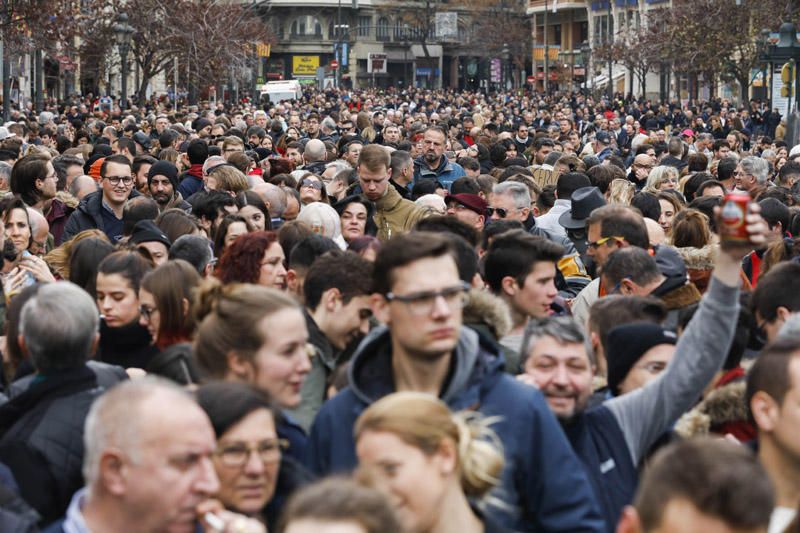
484, 308
67, 199
719, 411
698, 258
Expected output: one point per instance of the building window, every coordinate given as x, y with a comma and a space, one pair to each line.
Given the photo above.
306, 26
383, 29
364, 26
557, 34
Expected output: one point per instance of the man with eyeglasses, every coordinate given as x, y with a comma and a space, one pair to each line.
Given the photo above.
424, 347
103, 209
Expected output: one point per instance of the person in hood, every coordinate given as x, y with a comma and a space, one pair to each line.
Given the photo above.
424, 348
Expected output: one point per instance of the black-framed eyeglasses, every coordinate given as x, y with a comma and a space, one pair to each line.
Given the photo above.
115, 180
422, 303
147, 311
236, 455
502, 213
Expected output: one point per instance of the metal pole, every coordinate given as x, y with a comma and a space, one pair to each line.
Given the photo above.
123, 53
175, 81
338, 46
38, 68
610, 42
545, 84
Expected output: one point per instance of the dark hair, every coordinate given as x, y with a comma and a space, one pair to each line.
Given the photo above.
774, 212
222, 230
7, 206
770, 373
208, 204
84, 260
403, 250
251, 198
308, 249
14, 351
716, 477
690, 229
697, 162
790, 168
601, 176
448, 224
227, 403
128, 144
131, 265
515, 253
425, 186
691, 185
780, 287
171, 284
241, 262
647, 204
465, 184
194, 250
726, 167
136, 210
570, 182
176, 223
706, 205
24, 175
197, 152
615, 310
708, 184
633, 263
619, 221
497, 227
118, 159
345, 271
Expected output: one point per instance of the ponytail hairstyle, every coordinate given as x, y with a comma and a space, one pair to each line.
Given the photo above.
690, 229
228, 316
423, 421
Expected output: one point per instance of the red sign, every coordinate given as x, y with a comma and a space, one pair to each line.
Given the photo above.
530, 79
334, 64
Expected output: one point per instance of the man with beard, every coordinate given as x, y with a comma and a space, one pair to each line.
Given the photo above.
432, 164
611, 438
162, 181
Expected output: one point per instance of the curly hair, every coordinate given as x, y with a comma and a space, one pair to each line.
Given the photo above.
241, 261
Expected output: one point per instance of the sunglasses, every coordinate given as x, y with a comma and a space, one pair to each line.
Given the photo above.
312, 183
502, 213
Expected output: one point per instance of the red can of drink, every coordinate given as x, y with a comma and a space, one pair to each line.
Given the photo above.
734, 217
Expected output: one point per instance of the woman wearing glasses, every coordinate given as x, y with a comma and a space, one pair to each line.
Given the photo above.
165, 296
311, 188
253, 473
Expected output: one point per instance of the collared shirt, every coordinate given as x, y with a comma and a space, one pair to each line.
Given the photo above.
74, 521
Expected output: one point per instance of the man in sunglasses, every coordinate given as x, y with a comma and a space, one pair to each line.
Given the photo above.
103, 209
425, 348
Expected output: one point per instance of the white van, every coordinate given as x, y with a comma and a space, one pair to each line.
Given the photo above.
276, 91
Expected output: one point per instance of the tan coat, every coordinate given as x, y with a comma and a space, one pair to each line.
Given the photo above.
395, 215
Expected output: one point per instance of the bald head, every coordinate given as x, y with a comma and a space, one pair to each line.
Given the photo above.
314, 151
82, 186
643, 160
131, 415
273, 196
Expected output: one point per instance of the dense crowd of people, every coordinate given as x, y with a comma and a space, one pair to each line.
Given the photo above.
400, 311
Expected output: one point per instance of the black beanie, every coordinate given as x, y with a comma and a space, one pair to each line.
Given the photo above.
627, 344
164, 168
147, 231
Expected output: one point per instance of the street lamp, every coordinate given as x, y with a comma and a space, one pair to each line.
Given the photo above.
506, 66
586, 50
123, 32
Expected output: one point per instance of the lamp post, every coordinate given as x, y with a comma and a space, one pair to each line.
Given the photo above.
506, 66
762, 42
586, 50
123, 32
610, 44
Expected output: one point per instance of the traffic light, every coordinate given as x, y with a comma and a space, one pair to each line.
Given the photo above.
787, 77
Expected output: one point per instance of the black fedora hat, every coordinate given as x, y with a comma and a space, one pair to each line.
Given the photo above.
584, 201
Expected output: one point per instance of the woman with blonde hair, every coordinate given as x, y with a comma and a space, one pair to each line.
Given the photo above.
660, 178
620, 192
437, 467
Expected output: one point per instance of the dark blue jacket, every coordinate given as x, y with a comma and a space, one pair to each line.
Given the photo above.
446, 173
543, 482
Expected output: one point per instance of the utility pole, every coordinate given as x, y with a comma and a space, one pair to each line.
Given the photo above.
545, 83
610, 44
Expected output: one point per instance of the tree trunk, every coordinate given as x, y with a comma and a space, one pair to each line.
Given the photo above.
744, 84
